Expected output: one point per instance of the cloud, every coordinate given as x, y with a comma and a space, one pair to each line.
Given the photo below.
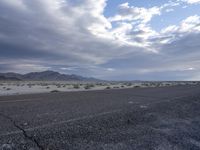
177, 54
190, 25
72, 30
169, 10
141, 14
132, 24
74, 36
51, 27
131, 13
110, 69
192, 1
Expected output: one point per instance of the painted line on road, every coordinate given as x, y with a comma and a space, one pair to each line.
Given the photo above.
130, 102
22, 100
85, 117
36, 99
33, 99
61, 122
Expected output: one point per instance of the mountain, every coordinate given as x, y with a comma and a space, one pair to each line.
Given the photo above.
44, 76
11, 75
9, 78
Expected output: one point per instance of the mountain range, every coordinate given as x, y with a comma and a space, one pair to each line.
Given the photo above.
43, 76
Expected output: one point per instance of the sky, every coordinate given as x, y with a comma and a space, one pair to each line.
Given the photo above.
105, 39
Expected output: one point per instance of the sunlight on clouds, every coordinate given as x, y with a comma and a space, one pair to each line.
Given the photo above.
77, 33
169, 10
17, 4
131, 13
190, 24
110, 69
31, 67
170, 29
192, 1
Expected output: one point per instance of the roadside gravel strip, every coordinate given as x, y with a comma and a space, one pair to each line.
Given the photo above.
150, 118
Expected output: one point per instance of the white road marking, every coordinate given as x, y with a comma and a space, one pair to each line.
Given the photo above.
143, 106
21, 100
84, 117
61, 122
33, 99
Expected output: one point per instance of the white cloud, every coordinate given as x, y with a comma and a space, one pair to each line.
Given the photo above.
64, 34
17, 4
133, 25
131, 13
30, 67
110, 69
190, 24
169, 10
169, 29
192, 1
61, 27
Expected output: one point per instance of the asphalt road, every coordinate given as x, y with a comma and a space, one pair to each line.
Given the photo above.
162, 118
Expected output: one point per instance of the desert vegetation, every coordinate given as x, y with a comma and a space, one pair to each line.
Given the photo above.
24, 87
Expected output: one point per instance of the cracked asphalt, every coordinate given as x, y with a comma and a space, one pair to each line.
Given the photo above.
162, 118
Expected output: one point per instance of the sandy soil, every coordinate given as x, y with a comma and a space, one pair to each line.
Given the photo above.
30, 87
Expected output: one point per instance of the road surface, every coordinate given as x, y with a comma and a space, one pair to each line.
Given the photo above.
141, 118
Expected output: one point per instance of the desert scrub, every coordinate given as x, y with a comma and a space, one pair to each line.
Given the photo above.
86, 87
54, 91
145, 84
89, 86
108, 87
158, 85
99, 84
92, 85
76, 86
58, 86
129, 84
136, 86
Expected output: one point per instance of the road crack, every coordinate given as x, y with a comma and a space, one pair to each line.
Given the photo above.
31, 138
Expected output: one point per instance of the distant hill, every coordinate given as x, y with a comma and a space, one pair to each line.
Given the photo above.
9, 78
44, 76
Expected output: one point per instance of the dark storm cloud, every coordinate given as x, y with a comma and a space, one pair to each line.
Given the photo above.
188, 44
20, 51
75, 37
